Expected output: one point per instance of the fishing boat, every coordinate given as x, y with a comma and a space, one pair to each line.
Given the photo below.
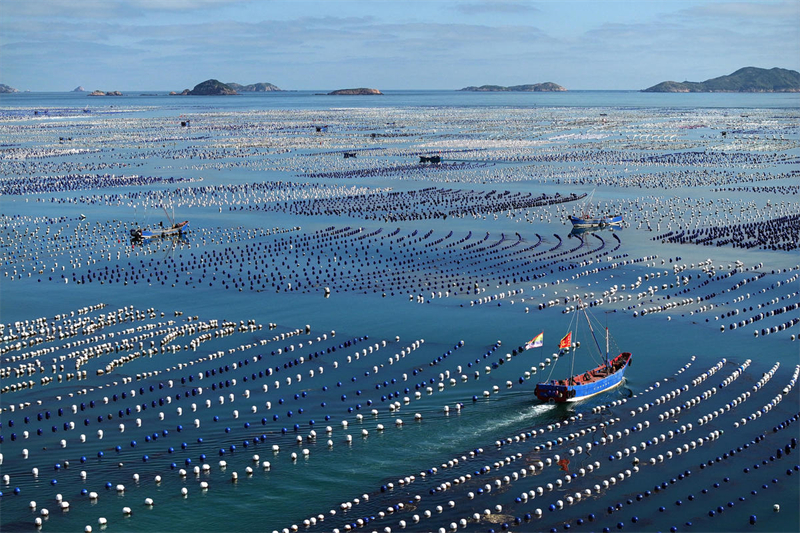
175, 228
587, 220
609, 374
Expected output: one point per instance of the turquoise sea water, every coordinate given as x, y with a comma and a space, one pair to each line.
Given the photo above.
319, 100
424, 322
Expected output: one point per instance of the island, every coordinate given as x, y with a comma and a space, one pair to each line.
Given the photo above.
354, 92
545, 87
744, 80
103, 93
5, 89
79, 89
210, 88
262, 87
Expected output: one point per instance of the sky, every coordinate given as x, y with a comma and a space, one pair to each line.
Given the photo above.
56, 45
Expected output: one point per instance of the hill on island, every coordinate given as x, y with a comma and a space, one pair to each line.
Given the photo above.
210, 88
356, 92
253, 87
547, 86
5, 89
744, 80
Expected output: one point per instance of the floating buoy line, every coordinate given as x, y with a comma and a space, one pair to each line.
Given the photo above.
122, 410
535, 468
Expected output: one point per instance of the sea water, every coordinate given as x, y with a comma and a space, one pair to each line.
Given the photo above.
465, 451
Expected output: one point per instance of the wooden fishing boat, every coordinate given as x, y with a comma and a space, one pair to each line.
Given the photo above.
587, 220
610, 373
175, 228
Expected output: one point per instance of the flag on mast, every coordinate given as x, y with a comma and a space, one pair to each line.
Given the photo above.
536, 342
566, 342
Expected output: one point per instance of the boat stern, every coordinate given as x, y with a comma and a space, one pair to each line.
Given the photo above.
552, 393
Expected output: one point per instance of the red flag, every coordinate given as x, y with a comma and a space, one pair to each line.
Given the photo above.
566, 342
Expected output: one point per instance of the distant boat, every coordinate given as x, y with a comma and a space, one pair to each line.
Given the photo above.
606, 376
577, 230
587, 220
175, 228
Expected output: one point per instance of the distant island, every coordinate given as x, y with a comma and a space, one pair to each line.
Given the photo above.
103, 93
357, 92
212, 88
262, 87
217, 88
547, 86
79, 89
744, 80
207, 88
5, 89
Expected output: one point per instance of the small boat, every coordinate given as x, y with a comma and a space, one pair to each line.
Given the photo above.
595, 229
175, 228
587, 220
606, 376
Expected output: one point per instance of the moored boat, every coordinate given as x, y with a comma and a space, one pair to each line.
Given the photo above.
178, 228
175, 228
587, 221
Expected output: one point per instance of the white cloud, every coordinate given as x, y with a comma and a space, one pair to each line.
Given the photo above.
495, 6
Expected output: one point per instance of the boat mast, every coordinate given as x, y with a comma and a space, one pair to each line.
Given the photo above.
590, 327
171, 219
606, 346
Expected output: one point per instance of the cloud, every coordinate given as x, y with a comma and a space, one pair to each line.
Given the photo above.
777, 11
495, 6
178, 49
109, 9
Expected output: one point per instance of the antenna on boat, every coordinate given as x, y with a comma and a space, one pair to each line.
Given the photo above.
607, 339
591, 329
170, 218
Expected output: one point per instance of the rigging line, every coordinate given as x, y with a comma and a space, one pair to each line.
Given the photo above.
591, 328
572, 320
574, 350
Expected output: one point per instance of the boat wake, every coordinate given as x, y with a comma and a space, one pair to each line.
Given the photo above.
529, 414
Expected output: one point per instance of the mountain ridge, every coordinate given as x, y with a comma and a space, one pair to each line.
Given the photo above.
744, 80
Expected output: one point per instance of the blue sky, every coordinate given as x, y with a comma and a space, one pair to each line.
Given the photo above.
56, 45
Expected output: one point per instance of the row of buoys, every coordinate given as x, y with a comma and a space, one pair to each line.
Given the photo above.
199, 390
506, 479
577, 496
508, 460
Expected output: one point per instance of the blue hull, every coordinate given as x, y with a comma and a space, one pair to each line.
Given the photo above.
177, 229
600, 222
585, 385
